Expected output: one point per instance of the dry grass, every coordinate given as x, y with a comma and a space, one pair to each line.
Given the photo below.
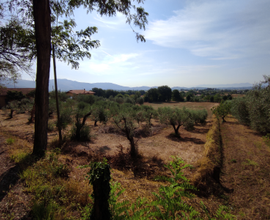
189, 105
212, 157
238, 95
245, 159
246, 170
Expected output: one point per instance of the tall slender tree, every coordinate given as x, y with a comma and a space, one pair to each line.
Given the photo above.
42, 18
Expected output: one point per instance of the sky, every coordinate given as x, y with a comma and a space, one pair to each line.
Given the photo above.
188, 43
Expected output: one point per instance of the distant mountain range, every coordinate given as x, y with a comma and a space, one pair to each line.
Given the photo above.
66, 85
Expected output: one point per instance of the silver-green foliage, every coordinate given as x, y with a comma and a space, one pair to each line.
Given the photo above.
254, 109
65, 118
80, 131
178, 117
125, 117
240, 110
222, 110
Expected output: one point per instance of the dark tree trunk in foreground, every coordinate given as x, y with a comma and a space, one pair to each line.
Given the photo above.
42, 20
101, 188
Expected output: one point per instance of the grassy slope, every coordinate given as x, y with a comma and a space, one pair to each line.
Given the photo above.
246, 170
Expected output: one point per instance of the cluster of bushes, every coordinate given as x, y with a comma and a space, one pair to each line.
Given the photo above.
20, 106
254, 108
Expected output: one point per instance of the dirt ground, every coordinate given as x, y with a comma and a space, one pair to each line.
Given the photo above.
160, 145
106, 141
245, 171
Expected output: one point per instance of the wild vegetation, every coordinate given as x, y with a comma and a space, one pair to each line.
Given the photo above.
253, 109
58, 195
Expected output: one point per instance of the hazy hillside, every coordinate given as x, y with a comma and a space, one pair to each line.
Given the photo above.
65, 85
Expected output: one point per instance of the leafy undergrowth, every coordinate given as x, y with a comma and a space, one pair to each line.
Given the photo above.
57, 194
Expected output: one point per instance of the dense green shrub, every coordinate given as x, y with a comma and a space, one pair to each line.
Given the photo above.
254, 109
240, 110
129, 100
199, 116
258, 100
90, 99
177, 96
14, 95
119, 100
139, 100
62, 96
65, 115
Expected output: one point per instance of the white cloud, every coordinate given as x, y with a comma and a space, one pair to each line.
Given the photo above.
217, 29
111, 22
107, 64
122, 58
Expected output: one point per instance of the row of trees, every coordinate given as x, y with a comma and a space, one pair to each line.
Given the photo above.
254, 109
164, 94
127, 117
109, 92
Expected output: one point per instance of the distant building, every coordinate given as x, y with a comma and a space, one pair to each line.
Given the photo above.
3, 93
77, 92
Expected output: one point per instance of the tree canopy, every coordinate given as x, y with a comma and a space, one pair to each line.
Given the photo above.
16, 44
44, 13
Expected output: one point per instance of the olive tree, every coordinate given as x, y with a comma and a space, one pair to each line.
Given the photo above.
125, 118
253, 109
176, 118
99, 112
222, 110
80, 131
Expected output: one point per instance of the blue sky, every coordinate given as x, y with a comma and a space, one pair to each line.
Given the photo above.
188, 43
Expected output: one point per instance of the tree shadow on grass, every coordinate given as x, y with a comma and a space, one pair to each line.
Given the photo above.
140, 166
173, 137
200, 130
103, 149
11, 176
231, 122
